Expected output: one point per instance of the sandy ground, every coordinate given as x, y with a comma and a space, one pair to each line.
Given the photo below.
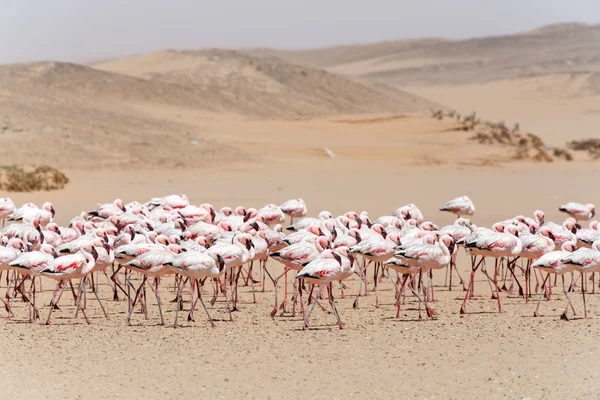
480, 354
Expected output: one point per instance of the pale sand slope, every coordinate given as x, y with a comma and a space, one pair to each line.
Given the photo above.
555, 49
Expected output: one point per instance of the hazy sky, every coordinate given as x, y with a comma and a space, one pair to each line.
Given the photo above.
81, 30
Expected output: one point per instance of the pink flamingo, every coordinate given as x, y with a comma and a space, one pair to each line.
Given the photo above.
584, 260
579, 211
294, 208
7, 207
322, 272
460, 206
487, 243
553, 263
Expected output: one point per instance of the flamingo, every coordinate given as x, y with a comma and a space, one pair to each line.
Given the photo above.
579, 211
553, 263
294, 208
272, 214
487, 243
584, 260
105, 211
460, 206
323, 272
409, 211
196, 265
295, 257
7, 207
150, 264
428, 257
69, 267
30, 264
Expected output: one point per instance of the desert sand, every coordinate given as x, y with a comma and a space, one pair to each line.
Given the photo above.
244, 128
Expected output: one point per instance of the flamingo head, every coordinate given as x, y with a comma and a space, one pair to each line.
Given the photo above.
592, 209
119, 204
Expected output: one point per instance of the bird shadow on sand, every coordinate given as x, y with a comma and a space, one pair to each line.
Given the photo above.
400, 320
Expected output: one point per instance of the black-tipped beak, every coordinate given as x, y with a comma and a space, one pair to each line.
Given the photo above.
246, 217
552, 236
221, 263
321, 232
54, 212
255, 226
384, 233
359, 220
123, 209
593, 212
54, 254
249, 245
212, 214
94, 254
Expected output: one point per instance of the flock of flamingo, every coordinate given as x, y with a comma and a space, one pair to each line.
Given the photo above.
136, 246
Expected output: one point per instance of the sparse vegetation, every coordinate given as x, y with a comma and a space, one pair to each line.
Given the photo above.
14, 178
591, 145
524, 146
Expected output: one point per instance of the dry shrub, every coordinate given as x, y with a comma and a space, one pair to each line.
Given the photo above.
15, 178
591, 145
520, 145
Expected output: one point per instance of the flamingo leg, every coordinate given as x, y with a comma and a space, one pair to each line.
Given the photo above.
135, 299
583, 293
79, 305
179, 288
536, 312
307, 318
58, 286
212, 323
332, 303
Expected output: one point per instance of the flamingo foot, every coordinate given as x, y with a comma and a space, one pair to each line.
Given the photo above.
430, 312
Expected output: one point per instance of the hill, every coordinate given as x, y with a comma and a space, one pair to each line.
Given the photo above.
149, 111
264, 86
554, 49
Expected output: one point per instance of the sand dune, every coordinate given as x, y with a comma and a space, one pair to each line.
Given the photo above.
547, 79
562, 48
265, 86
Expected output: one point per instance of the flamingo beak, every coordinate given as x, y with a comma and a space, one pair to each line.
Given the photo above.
54, 212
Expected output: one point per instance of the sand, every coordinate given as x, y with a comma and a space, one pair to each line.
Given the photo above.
512, 355
150, 125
